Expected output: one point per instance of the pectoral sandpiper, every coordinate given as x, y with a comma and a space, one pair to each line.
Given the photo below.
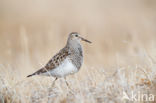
67, 61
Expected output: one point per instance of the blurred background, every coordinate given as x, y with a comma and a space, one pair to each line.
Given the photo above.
32, 31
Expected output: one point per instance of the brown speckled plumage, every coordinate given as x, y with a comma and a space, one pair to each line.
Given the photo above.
73, 51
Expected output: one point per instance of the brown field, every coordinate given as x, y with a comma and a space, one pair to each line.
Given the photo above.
122, 57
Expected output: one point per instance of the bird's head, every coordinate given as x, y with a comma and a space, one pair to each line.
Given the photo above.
74, 36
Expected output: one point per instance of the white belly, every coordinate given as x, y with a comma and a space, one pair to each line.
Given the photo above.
64, 69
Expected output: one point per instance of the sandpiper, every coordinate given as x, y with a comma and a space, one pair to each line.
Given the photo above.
67, 61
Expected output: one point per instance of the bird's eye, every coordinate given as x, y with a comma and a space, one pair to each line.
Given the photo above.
76, 35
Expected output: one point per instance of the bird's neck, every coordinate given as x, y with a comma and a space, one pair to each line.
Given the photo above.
73, 45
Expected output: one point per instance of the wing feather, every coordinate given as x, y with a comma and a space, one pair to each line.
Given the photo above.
53, 63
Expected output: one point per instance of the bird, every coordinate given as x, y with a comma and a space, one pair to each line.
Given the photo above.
67, 61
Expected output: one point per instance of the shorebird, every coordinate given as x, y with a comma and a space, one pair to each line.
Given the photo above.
67, 61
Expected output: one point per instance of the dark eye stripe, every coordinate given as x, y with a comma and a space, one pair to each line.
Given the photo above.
76, 35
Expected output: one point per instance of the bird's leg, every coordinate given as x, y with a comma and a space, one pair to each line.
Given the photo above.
54, 81
67, 83
50, 90
71, 91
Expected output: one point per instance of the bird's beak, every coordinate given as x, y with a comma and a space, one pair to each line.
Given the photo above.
83, 39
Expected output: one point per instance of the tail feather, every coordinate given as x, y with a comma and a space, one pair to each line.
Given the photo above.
31, 75
42, 70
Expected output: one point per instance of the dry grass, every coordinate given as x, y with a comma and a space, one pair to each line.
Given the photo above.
121, 59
